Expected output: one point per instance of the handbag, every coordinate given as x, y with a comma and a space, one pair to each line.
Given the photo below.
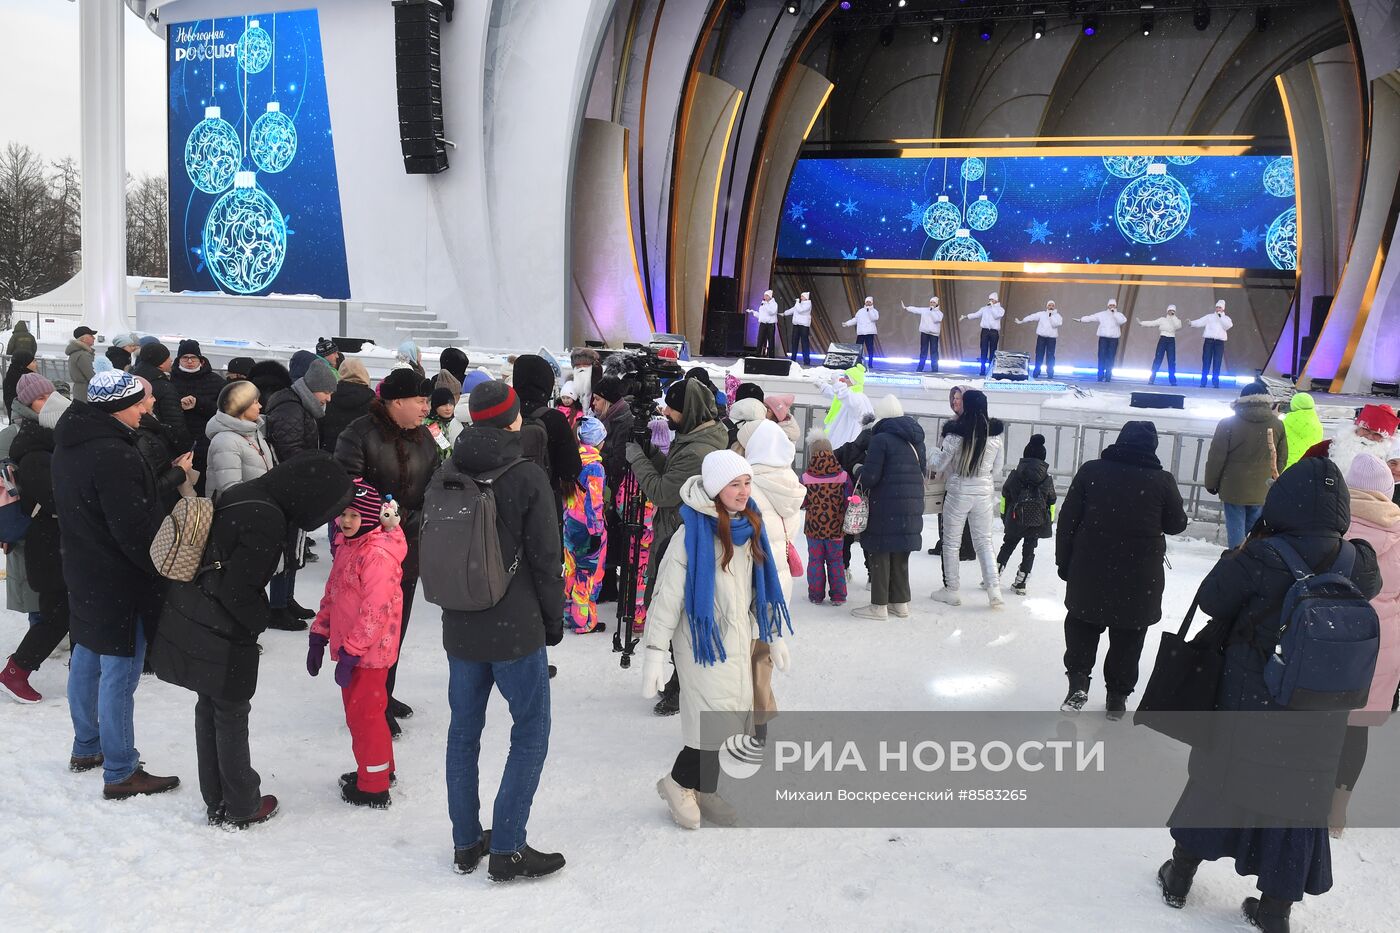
935, 492
1185, 679
857, 512
794, 561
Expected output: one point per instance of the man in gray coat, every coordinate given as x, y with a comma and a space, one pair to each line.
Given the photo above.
1249, 450
80, 359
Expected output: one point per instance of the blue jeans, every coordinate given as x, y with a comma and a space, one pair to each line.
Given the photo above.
102, 702
1238, 520
281, 589
524, 683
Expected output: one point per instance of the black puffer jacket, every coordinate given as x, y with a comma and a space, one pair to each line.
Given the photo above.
531, 613
393, 461
271, 377
291, 426
533, 380
349, 402
893, 476
32, 452
167, 411
617, 420
1111, 542
205, 386
1031, 478
156, 441
207, 640
107, 516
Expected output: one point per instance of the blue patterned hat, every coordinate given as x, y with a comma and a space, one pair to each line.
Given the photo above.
112, 391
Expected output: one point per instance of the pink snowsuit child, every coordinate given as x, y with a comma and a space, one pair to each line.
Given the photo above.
360, 617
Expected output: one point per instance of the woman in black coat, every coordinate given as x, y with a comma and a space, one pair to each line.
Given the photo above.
1257, 782
207, 640
1109, 547
22, 362
349, 402
271, 377
893, 477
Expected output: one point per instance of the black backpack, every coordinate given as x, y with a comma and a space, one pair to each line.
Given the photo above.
534, 440
462, 563
1029, 508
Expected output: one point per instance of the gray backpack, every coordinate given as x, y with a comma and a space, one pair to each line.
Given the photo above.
461, 562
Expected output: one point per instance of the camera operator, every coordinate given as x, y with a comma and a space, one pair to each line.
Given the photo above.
691, 410
612, 406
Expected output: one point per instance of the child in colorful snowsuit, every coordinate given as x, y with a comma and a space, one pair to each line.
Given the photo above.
826, 513
360, 617
586, 533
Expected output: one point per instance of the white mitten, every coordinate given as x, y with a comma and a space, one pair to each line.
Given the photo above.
654, 674
389, 514
778, 651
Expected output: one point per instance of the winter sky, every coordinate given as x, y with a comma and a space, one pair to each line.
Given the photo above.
39, 74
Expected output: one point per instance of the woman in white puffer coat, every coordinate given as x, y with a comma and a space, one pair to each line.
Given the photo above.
717, 582
970, 458
238, 448
779, 494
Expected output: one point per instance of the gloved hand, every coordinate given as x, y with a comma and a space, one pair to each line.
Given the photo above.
345, 667
778, 651
1062, 572
389, 514
315, 653
654, 673
553, 633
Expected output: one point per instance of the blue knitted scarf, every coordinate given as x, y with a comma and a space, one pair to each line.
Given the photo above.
772, 611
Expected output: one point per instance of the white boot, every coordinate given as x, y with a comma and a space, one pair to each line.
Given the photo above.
870, 612
716, 809
994, 597
899, 610
947, 596
685, 809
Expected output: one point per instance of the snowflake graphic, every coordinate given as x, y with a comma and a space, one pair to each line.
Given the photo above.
1204, 182
1097, 225
915, 215
852, 254
1190, 233
1089, 176
1038, 230
797, 210
848, 207
1249, 240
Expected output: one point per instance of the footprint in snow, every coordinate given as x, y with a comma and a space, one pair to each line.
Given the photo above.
1000, 640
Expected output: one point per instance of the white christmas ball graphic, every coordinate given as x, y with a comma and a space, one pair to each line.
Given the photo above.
942, 219
961, 248
245, 238
254, 48
1154, 208
1278, 177
1281, 242
1182, 160
1126, 166
741, 756
273, 141
981, 214
212, 152
973, 169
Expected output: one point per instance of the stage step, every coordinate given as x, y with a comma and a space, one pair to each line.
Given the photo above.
390, 326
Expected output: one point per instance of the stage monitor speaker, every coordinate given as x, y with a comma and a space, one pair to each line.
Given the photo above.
765, 366
843, 355
594, 344
724, 325
1157, 400
1390, 389
418, 77
1320, 306
1320, 385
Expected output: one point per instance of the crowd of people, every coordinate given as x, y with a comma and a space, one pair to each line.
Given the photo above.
279, 452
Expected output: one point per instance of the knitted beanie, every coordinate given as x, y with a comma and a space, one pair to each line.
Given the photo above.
720, 468
591, 431
888, 407
1035, 450
319, 376
404, 383
1370, 473
441, 396
189, 347
115, 391
493, 405
33, 386
367, 502
155, 353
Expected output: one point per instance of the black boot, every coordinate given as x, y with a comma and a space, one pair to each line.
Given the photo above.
1175, 877
395, 730
400, 709
526, 863
1019, 587
1267, 913
300, 611
1117, 705
351, 793
670, 702
353, 777
1078, 694
464, 861
284, 620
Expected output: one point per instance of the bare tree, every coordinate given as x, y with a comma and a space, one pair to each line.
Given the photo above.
147, 226
31, 261
67, 187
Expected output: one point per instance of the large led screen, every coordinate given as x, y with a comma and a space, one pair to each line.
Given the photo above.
1233, 211
254, 200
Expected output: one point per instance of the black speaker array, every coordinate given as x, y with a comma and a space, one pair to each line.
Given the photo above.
723, 333
418, 68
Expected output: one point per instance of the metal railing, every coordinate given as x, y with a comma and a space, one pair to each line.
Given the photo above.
1068, 447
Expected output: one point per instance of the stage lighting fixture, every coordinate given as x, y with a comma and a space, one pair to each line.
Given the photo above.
902, 3
1200, 17
1147, 24
1038, 26
985, 32
1263, 16
794, 7
935, 33
1091, 25
845, 4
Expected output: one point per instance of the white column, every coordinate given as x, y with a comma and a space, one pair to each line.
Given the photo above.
103, 110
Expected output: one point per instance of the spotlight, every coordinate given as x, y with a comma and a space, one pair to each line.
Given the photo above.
1091, 25
935, 33
902, 3
985, 32
1147, 24
794, 7
845, 4
1263, 16
1200, 17
1038, 26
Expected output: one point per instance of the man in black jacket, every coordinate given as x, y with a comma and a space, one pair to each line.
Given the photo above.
1110, 555
504, 646
153, 364
193, 378
393, 452
614, 409
105, 497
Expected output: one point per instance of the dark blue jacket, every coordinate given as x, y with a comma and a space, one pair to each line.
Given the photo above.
893, 477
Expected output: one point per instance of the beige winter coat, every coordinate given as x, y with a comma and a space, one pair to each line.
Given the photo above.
779, 494
726, 686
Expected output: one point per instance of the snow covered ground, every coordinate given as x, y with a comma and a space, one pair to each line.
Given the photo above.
71, 861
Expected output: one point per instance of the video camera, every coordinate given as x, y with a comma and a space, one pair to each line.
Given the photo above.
645, 374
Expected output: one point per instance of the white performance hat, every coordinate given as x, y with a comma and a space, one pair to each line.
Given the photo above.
933, 300
1171, 307
993, 297
806, 296
1220, 303
869, 300
722, 467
